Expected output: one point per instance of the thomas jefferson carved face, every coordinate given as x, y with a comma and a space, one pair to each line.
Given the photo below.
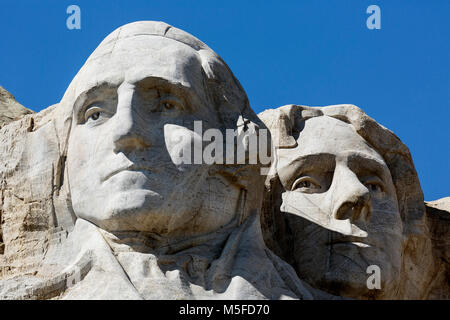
132, 106
343, 190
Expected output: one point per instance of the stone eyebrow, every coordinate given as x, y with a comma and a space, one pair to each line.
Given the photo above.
87, 95
311, 160
178, 89
362, 161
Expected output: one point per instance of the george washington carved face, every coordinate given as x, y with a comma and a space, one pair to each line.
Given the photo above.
135, 103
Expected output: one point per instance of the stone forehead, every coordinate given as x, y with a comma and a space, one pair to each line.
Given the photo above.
141, 39
206, 74
324, 134
145, 48
146, 28
134, 59
333, 134
147, 40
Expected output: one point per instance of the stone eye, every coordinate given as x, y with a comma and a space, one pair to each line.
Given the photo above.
306, 184
94, 113
374, 184
374, 187
170, 103
95, 116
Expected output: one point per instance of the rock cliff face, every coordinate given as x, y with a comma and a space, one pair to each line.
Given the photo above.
95, 204
438, 216
10, 109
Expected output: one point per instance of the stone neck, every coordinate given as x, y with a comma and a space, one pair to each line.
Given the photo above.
148, 242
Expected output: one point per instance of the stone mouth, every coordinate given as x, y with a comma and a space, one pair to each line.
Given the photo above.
132, 167
352, 241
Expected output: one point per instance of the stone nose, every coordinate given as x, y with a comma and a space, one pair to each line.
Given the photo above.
129, 131
353, 198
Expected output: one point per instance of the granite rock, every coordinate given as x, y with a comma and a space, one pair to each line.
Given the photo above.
10, 109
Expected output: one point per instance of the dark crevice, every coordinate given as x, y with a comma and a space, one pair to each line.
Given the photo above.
2, 245
61, 169
31, 125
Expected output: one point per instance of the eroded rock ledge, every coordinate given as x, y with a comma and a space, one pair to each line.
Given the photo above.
10, 109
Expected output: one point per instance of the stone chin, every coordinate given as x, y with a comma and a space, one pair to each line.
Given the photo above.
347, 273
133, 210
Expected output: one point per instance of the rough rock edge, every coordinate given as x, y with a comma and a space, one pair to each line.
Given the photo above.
438, 219
10, 109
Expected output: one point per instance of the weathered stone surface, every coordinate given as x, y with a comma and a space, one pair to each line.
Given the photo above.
28, 167
95, 204
343, 194
10, 109
438, 217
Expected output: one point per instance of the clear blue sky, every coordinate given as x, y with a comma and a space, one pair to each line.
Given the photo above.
312, 52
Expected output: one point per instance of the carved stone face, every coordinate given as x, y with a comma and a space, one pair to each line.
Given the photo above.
343, 190
132, 107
